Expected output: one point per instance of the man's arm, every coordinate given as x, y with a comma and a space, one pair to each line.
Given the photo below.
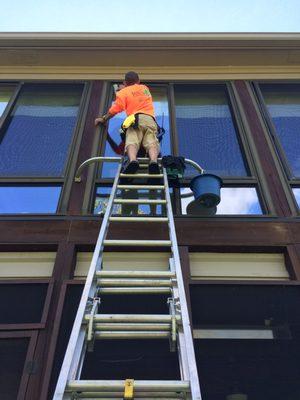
117, 107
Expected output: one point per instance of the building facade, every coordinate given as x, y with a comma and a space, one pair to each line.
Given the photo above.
231, 102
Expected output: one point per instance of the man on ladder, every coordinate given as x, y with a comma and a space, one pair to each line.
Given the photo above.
140, 125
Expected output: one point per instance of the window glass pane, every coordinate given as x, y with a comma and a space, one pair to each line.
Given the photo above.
161, 106
283, 104
206, 132
261, 369
238, 200
103, 193
6, 91
29, 199
31, 307
39, 131
296, 192
12, 355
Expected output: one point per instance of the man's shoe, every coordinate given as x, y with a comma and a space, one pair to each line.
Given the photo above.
131, 167
154, 168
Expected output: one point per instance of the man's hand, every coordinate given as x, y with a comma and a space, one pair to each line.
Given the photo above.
100, 121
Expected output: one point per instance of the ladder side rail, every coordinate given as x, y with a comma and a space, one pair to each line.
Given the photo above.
188, 338
88, 292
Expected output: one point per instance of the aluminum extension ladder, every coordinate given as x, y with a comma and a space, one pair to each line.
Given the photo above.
91, 325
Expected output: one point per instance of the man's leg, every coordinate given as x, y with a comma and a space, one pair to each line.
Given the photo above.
153, 152
132, 144
132, 152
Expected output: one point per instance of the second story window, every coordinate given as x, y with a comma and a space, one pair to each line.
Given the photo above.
206, 129
37, 130
281, 106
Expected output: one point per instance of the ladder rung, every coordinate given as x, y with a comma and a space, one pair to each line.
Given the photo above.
140, 201
140, 395
159, 318
151, 187
131, 327
117, 282
139, 219
135, 290
131, 335
141, 175
135, 274
118, 386
147, 243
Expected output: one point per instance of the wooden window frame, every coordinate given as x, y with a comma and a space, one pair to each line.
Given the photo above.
36, 325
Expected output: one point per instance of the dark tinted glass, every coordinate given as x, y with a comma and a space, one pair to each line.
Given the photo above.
27, 311
161, 107
29, 199
283, 104
36, 140
206, 132
260, 369
12, 355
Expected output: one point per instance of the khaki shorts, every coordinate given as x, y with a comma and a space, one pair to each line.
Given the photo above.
145, 134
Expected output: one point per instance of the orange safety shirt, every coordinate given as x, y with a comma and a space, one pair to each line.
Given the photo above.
133, 99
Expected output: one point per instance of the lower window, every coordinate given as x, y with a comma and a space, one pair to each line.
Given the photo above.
234, 201
247, 341
27, 199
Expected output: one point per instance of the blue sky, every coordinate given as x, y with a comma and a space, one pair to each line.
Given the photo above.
150, 16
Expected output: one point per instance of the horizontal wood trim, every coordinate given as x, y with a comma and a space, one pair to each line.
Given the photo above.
185, 73
190, 232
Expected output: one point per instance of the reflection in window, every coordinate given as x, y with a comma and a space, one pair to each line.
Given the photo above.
206, 132
103, 193
238, 200
6, 91
29, 199
37, 138
161, 107
296, 192
283, 104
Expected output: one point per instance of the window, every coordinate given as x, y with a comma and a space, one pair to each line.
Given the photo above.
211, 133
103, 193
206, 129
283, 105
38, 133
296, 192
234, 201
29, 309
13, 351
29, 199
244, 336
36, 138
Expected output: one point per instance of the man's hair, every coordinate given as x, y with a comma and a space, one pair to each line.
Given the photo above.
131, 78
